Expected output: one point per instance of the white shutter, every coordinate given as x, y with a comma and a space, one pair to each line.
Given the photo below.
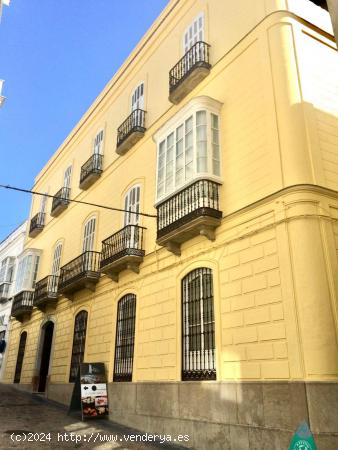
98, 143
194, 33
137, 99
57, 259
132, 203
43, 203
67, 177
89, 234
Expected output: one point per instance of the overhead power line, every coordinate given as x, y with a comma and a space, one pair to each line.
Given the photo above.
27, 191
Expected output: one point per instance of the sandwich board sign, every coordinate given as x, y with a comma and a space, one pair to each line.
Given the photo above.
303, 439
94, 396
90, 392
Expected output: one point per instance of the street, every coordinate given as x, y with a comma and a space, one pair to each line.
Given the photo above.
29, 422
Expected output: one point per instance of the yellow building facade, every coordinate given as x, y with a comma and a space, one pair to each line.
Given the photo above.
213, 302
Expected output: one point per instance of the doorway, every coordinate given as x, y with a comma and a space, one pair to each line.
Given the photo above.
47, 331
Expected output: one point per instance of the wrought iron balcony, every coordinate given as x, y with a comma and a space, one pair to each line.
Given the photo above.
22, 305
191, 212
189, 71
131, 131
46, 292
82, 272
91, 171
4, 291
37, 224
60, 201
123, 250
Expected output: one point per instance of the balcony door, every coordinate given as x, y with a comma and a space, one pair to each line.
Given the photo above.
67, 177
46, 342
131, 216
194, 33
88, 243
137, 99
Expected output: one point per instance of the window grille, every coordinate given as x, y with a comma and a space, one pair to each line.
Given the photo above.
79, 342
125, 338
21, 353
198, 326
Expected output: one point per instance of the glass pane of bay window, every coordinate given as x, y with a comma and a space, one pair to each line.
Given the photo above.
179, 177
161, 169
169, 172
189, 149
201, 141
216, 169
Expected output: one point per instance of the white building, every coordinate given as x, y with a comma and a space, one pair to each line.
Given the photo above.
10, 250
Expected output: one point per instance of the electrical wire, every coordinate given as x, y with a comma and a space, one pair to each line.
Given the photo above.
27, 191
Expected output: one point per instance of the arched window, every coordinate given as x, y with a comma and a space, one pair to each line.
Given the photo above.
79, 342
89, 235
198, 326
57, 259
125, 338
21, 354
132, 204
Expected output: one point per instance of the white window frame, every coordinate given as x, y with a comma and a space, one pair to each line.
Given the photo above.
204, 103
28, 264
67, 177
134, 91
98, 145
132, 219
56, 262
89, 230
186, 45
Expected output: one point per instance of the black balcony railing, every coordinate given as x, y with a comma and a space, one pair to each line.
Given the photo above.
199, 199
134, 123
91, 167
37, 223
4, 290
61, 198
126, 242
45, 289
22, 303
196, 56
88, 263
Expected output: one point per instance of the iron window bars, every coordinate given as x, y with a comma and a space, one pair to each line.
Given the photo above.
198, 326
199, 199
91, 166
21, 354
134, 123
196, 56
125, 338
79, 342
128, 241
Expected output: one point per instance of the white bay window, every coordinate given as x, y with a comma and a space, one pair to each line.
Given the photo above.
189, 147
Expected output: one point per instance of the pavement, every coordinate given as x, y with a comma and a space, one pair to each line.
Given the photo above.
29, 421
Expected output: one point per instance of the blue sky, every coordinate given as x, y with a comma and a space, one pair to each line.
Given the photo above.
56, 56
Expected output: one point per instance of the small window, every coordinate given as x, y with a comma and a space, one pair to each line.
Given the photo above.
98, 143
89, 235
194, 33
57, 259
198, 327
21, 354
79, 342
125, 338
